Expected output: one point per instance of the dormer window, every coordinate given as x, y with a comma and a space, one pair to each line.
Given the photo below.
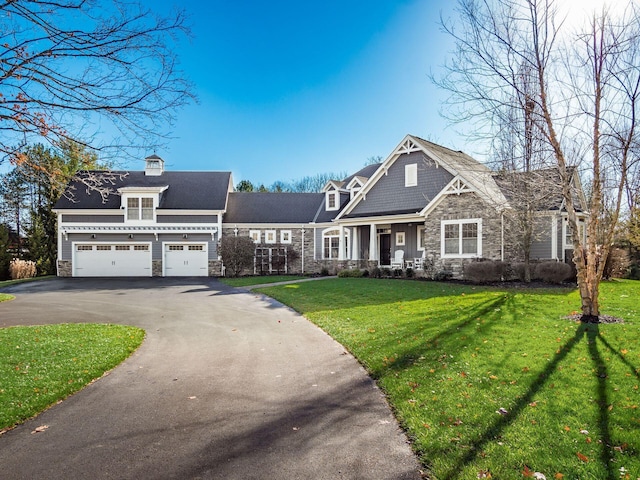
139, 208
332, 200
139, 203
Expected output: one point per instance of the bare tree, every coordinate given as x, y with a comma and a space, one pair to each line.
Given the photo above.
522, 164
237, 254
71, 69
587, 94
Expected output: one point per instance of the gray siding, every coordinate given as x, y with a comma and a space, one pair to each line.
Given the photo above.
541, 245
187, 219
93, 218
411, 240
363, 233
390, 195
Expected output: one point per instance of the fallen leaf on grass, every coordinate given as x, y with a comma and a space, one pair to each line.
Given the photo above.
41, 428
582, 457
567, 428
558, 476
484, 474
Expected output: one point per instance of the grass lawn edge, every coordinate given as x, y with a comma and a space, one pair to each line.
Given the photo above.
64, 396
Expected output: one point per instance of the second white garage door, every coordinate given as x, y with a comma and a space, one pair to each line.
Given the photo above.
186, 260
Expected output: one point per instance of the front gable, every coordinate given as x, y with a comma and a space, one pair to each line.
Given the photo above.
407, 181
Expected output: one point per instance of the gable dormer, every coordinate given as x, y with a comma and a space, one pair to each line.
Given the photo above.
140, 203
355, 185
154, 166
332, 191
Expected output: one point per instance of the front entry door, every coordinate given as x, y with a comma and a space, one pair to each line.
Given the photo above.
385, 249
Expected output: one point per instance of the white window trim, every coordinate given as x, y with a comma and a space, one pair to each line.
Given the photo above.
567, 243
411, 175
139, 221
268, 234
401, 239
283, 234
460, 222
336, 196
255, 235
347, 238
420, 238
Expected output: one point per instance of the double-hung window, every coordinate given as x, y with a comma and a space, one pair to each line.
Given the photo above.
461, 238
332, 200
139, 208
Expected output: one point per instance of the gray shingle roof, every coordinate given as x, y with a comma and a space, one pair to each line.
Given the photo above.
473, 172
186, 190
364, 173
546, 187
272, 207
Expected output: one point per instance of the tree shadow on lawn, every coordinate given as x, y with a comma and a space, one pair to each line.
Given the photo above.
585, 332
469, 329
339, 293
448, 339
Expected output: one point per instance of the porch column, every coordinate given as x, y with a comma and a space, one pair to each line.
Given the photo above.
373, 237
355, 244
341, 246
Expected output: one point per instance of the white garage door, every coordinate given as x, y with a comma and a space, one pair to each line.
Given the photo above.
184, 260
111, 260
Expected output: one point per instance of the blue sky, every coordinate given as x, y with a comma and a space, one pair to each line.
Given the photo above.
289, 89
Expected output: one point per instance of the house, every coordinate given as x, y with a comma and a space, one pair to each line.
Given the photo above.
149, 223
425, 206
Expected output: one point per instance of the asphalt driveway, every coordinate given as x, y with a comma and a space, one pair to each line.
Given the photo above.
227, 385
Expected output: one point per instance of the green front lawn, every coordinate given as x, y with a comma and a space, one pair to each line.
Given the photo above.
5, 296
44, 364
258, 280
491, 381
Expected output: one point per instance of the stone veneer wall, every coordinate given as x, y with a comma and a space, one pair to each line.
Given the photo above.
65, 268
334, 266
311, 266
156, 268
215, 268
460, 207
294, 267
